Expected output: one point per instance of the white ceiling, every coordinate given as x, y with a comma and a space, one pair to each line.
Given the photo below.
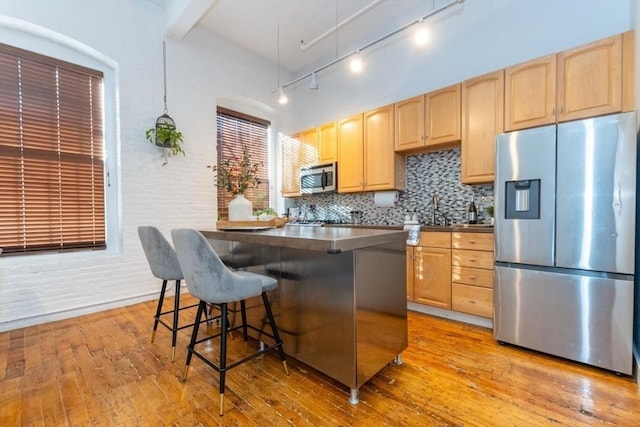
254, 25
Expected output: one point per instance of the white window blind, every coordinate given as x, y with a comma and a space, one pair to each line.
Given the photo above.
236, 130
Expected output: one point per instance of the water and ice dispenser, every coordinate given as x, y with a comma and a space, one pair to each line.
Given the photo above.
522, 199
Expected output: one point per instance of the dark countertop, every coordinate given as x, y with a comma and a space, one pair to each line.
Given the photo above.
327, 239
467, 228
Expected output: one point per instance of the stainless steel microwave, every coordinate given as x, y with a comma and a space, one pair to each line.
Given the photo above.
319, 178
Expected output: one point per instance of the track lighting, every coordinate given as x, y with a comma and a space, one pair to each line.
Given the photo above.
283, 97
356, 63
421, 36
313, 84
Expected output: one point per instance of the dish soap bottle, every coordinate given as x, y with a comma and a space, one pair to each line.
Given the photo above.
472, 213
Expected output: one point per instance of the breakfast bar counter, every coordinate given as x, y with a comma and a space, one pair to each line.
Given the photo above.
340, 304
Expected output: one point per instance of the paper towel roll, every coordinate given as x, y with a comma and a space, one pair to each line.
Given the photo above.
385, 199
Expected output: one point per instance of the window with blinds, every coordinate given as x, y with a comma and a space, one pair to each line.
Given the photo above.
51, 155
236, 130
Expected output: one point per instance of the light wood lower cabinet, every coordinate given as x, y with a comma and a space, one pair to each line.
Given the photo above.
472, 273
452, 271
432, 270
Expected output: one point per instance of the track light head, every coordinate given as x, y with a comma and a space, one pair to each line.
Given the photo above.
356, 64
313, 84
282, 99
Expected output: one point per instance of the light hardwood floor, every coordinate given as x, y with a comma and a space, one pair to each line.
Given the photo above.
101, 369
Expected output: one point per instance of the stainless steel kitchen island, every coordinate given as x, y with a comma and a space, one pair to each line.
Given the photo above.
341, 301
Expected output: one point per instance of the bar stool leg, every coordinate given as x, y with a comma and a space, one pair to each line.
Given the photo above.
194, 336
243, 312
274, 329
223, 352
158, 310
176, 313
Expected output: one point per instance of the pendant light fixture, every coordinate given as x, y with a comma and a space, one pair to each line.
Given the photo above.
282, 98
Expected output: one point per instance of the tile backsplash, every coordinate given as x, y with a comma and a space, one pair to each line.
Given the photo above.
428, 175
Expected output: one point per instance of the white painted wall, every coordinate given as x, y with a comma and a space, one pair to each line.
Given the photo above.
202, 69
468, 40
483, 35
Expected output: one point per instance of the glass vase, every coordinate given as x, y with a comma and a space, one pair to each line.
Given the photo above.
240, 208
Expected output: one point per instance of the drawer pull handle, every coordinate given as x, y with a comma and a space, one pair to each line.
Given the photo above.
472, 277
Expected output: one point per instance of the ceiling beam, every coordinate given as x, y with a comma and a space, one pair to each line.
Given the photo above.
182, 15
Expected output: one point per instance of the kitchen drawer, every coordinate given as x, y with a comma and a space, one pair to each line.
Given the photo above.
436, 239
472, 276
472, 300
476, 241
475, 259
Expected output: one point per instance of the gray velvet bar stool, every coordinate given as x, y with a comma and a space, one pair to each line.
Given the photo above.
212, 282
164, 265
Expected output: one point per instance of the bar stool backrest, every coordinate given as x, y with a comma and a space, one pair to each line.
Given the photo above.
160, 254
208, 279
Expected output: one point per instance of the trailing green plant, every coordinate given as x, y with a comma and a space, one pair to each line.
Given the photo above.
168, 138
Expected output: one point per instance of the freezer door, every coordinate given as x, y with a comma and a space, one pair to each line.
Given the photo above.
596, 197
525, 196
583, 318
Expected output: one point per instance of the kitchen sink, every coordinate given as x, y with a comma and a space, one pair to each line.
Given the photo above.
473, 225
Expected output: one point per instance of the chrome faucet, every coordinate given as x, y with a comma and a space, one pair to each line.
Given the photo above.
434, 209
435, 212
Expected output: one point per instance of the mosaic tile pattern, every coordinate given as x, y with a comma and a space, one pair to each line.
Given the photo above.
428, 174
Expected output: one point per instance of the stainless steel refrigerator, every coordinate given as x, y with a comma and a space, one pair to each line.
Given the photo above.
565, 203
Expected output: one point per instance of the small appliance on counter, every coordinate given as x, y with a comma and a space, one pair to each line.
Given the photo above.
412, 225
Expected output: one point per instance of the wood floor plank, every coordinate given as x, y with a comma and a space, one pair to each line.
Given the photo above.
102, 369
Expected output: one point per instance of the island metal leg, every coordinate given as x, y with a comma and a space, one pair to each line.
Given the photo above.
399, 359
353, 398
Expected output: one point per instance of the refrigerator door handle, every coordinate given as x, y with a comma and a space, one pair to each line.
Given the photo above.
617, 203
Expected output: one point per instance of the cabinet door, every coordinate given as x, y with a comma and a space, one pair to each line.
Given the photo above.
290, 153
409, 124
328, 142
472, 299
530, 94
410, 273
350, 155
473, 241
590, 80
442, 119
379, 154
309, 147
432, 280
482, 120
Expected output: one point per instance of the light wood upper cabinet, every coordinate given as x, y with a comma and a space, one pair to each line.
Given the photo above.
428, 121
350, 155
530, 94
590, 81
409, 121
442, 119
309, 147
383, 168
482, 120
297, 150
587, 81
290, 155
328, 143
